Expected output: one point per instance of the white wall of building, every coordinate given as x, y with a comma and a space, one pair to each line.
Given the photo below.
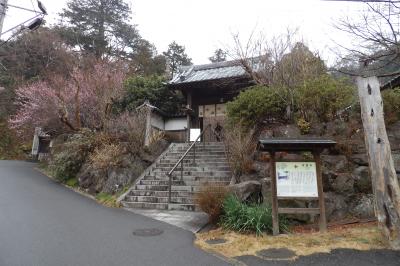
175, 123
157, 121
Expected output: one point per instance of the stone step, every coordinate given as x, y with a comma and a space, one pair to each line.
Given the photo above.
195, 168
164, 188
210, 165
200, 149
207, 144
182, 207
181, 183
198, 160
156, 193
159, 206
144, 205
189, 158
153, 199
189, 178
177, 173
152, 191
198, 153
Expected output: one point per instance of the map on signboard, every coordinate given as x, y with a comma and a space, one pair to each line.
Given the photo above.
296, 179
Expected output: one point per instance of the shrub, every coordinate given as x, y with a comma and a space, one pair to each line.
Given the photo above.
70, 156
240, 145
304, 126
244, 218
130, 128
391, 105
255, 104
322, 98
10, 145
210, 200
72, 182
106, 156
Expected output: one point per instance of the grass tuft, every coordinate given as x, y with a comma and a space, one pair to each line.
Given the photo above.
245, 218
107, 199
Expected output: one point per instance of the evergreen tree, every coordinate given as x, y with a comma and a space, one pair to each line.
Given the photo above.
219, 56
151, 88
146, 61
100, 27
176, 57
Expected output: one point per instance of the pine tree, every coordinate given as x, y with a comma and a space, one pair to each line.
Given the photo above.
219, 56
176, 57
100, 27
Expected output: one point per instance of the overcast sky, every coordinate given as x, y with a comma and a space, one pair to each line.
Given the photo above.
203, 26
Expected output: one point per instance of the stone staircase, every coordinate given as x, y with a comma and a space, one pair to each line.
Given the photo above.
151, 190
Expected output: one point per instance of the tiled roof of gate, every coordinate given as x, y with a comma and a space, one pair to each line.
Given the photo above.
221, 70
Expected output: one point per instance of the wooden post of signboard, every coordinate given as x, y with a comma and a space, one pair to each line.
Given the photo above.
275, 218
321, 200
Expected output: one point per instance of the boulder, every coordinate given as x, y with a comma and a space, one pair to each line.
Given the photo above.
249, 177
262, 168
362, 180
147, 157
117, 179
293, 203
266, 133
91, 179
328, 177
343, 184
335, 206
363, 207
318, 129
287, 131
393, 132
266, 190
396, 161
247, 191
337, 163
110, 180
290, 156
360, 159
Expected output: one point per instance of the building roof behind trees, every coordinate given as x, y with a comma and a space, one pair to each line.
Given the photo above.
208, 72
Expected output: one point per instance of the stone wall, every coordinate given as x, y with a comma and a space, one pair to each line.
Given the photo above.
346, 178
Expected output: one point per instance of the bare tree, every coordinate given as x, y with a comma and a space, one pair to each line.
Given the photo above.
376, 36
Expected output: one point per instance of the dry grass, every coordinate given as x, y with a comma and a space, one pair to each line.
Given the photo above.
130, 128
240, 145
360, 238
210, 200
105, 156
156, 137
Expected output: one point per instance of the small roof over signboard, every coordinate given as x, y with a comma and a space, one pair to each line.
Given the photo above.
280, 144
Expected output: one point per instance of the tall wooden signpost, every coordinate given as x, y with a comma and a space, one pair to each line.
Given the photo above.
384, 179
296, 180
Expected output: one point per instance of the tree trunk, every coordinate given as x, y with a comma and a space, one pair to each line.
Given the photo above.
384, 179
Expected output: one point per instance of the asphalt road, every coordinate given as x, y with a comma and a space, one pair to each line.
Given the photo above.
43, 223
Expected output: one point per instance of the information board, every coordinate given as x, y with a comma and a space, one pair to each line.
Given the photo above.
296, 179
